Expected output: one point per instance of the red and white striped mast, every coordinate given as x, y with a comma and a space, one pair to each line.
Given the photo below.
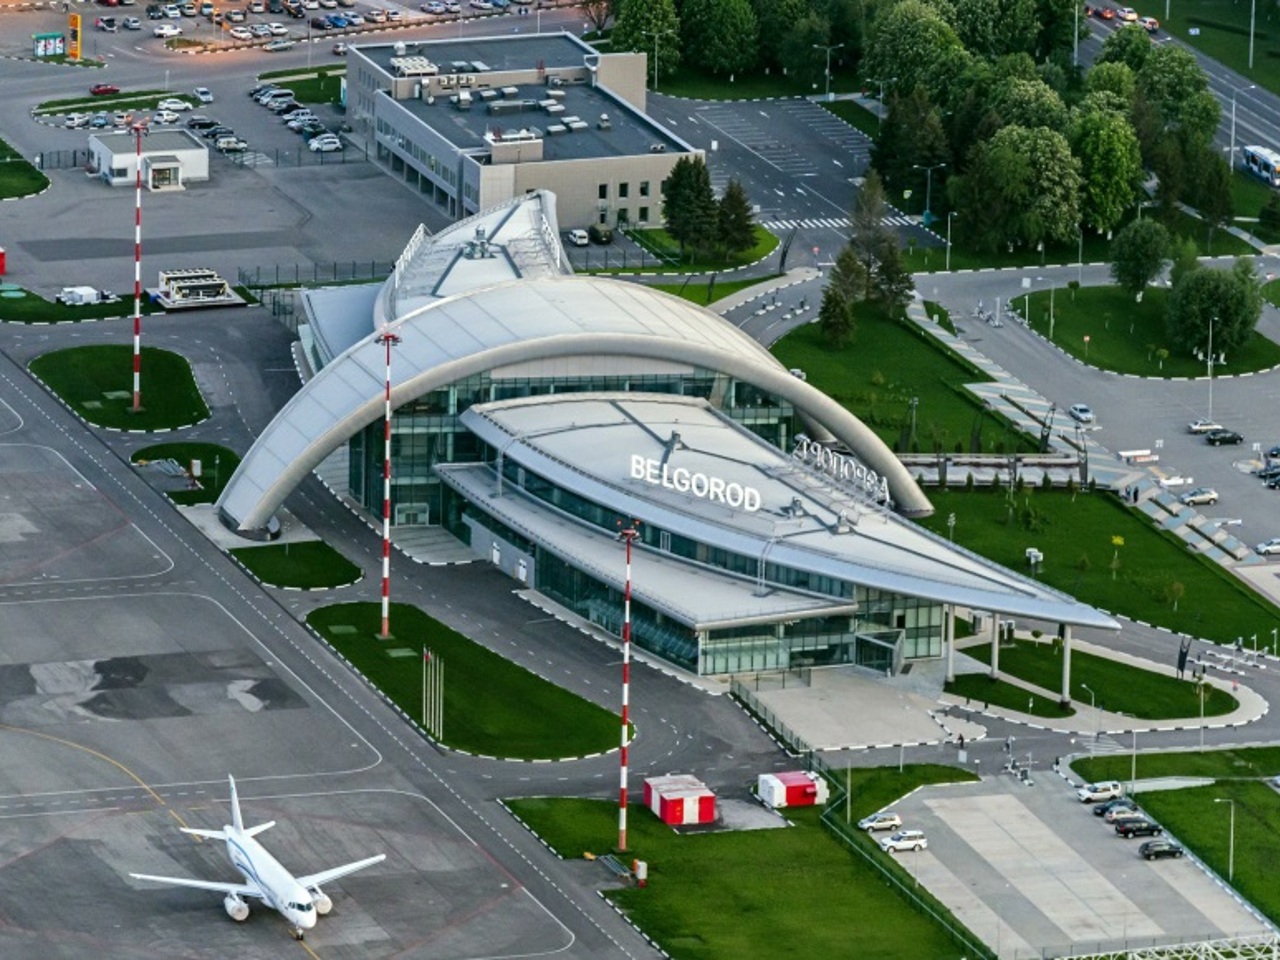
390, 340
627, 536
139, 131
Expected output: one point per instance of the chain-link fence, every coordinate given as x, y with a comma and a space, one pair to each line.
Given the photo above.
259, 278
300, 156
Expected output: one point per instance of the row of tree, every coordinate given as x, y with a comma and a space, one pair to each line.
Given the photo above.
697, 220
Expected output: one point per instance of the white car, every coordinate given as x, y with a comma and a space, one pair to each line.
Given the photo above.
260, 30
1080, 412
1104, 790
433, 6
1127, 14
177, 106
167, 30
75, 120
1268, 547
278, 29
164, 116
885, 820
172, 11
240, 33
131, 23
325, 144
1203, 425
578, 237
394, 16
275, 46
481, 5
354, 19
1198, 496
904, 840
203, 94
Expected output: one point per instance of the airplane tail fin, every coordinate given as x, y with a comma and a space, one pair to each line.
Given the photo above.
236, 822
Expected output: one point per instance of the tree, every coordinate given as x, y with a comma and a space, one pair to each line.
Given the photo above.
689, 205
867, 229
1229, 299
835, 317
775, 19
1113, 77
1175, 84
1269, 215
1110, 166
1028, 103
1129, 45
1210, 191
1185, 256
798, 52
908, 37
637, 22
598, 13
848, 275
1138, 254
719, 35
992, 28
736, 228
911, 137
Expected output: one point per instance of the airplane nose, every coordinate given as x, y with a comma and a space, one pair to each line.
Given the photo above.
307, 920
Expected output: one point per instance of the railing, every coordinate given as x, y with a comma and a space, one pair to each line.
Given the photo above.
786, 736
297, 274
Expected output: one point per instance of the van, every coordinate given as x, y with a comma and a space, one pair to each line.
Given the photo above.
578, 238
275, 98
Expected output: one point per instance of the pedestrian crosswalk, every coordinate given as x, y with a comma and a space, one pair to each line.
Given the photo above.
255, 159
834, 223
1104, 744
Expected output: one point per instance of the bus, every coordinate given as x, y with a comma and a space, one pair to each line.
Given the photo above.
1262, 163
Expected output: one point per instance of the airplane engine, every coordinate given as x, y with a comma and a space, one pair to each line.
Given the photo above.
323, 903
236, 908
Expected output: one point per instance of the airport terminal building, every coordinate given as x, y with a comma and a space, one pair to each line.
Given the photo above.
538, 412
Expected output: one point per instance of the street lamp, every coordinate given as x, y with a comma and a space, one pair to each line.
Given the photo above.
1079, 254
880, 111
949, 216
1231, 841
1253, 18
1232, 147
657, 35
1212, 321
828, 48
1092, 709
928, 187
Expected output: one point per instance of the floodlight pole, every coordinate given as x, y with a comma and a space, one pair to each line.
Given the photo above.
627, 536
139, 131
828, 48
389, 340
657, 35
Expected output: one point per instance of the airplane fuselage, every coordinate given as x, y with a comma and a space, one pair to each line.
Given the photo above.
280, 889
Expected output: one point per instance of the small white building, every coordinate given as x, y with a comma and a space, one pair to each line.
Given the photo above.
170, 158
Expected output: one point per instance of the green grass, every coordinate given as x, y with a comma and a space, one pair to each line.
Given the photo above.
941, 315
1204, 827
491, 706
695, 290
124, 100
1117, 687
886, 364
18, 178
312, 565
97, 383
855, 115
1251, 195
326, 88
688, 81
35, 309
718, 895
218, 464
1126, 336
1000, 693
1074, 532
660, 243
303, 72
1246, 762
1224, 36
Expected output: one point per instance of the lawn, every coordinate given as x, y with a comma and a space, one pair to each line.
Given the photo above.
1223, 34
217, 465
703, 293
1127, 337
885, 365
1242, 762
35, 309
717, 895
325, 88
661, 244
855, 115
97, 383
311, 565
491, 706
980, 688
303, 72
18, 178
124, 100
1074, 531
1251, 195
1117, 687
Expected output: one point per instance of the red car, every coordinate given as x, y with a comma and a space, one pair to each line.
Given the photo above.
102, 89
1107, 13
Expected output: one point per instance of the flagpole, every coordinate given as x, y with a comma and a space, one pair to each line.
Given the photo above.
425, 657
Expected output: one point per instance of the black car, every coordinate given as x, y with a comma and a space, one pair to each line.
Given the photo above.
319, 23
1273, 482
154, 12
213, 133
1268, 471
1216, 438
1138, 828
1159, 849
1274, 453
201, 123
1118, 803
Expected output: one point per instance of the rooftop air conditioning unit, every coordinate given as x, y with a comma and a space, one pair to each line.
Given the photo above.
399, 49
658, 148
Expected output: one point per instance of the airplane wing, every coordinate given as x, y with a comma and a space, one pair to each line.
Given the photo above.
241, 889
327, 876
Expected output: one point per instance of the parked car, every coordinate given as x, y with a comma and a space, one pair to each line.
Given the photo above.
1216, 438
354, 19
99, 121
1138, 828
481, 5
1080, 412
433, 6
155, 11
230, 145
172, 11
1268, 547
904, 840
275, 46
1268, 472
1159, 849
167, 30
377, 16
131, 23
171, 103
278, 29
1273, 452
394, 16
213, 133
1104, 790
107, 24
199, 123
599, 233
296, 113
1199, 496
1118, 803
1121, 814
325, 143
578, 238
235, 16
1272, 482
884, 820
74, 120
1203, 425
319, 23
240, 33
204, 94
164, 116
103, 89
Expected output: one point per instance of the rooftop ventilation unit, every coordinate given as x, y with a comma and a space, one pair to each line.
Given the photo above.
414, 66
658, 148
603, 123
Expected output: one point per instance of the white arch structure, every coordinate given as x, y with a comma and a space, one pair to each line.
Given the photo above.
558, 324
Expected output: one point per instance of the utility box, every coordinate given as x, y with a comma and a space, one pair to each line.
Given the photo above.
2, 261
680, 800
795, 788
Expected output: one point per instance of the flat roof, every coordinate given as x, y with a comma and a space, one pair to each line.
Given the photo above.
155, 142
516, 52
590, 443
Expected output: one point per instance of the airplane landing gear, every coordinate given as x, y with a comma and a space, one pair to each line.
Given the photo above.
299, 933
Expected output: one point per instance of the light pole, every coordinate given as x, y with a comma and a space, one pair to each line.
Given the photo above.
139, 131
1231, 158
949, 216
880, 111
1253, 18
828, 48
914, 402
1079, 254
1212, 321
1200, 689
1231, 839
657, 35
628, 536
928, 188
389, 340
1092, 709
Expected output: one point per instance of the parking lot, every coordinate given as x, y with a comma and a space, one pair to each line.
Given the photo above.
1031, 871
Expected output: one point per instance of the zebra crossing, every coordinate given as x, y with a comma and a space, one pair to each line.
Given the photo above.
254, 158
834, 223
1106, 745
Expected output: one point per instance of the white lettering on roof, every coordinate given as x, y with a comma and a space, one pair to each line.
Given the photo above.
732, 494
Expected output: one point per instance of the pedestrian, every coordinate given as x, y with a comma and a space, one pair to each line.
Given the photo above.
962, 741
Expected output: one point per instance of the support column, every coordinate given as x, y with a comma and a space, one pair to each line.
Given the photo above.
949, 640
995, 646
1065, 630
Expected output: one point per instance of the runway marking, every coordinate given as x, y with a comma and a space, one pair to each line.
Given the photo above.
92, 752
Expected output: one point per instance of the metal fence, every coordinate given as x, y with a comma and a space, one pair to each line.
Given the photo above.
301, 156
296, 274
60, 159
747, 697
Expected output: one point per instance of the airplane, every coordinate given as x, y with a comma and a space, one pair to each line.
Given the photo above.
298, 899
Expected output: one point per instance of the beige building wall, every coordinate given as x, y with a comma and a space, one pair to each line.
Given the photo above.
577, 186
624, 75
